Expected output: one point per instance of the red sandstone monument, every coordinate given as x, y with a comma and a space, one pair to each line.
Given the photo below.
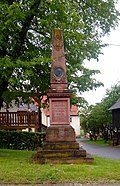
60, 145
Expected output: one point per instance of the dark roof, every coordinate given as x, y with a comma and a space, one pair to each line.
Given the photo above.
116, 105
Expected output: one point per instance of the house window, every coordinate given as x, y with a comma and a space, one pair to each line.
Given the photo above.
70, 119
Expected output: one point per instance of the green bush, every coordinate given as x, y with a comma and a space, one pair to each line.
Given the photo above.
21, 140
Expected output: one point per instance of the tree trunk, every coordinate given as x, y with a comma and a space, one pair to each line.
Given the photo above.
39, 119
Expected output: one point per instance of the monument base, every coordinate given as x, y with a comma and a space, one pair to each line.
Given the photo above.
61, 147
59, 133
68, 156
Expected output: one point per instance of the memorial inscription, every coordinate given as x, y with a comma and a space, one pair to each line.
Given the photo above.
59, 111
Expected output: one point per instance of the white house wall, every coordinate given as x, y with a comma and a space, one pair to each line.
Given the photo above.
75, 123
43, 118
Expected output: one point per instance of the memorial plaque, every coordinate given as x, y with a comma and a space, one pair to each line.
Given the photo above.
59, 111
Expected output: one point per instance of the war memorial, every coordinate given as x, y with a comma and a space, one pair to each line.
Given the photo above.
60, 145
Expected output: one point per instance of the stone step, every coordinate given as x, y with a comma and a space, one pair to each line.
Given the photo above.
61, 153
61, 145
69, 160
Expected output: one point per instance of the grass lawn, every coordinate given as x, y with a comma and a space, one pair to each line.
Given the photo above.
15, 167
99, 141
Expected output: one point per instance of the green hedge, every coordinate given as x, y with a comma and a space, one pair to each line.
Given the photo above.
21, 140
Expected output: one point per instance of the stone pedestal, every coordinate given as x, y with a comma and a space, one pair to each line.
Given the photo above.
61, 147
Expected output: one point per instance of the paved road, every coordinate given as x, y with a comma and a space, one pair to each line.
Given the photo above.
103, 151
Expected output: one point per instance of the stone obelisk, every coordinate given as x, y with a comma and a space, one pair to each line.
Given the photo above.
60, 145
59, 95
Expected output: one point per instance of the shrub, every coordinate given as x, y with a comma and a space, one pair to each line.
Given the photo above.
21, 140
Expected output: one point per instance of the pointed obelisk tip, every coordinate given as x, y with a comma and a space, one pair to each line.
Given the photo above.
57, 32
57, 39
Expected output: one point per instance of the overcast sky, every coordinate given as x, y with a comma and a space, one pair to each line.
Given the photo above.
109, 65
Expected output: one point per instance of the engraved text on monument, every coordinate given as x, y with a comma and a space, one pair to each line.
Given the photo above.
60, 111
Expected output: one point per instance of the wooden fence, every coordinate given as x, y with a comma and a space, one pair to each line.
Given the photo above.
18, 120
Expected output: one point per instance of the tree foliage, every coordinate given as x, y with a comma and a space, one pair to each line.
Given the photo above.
97, 116
25, 42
